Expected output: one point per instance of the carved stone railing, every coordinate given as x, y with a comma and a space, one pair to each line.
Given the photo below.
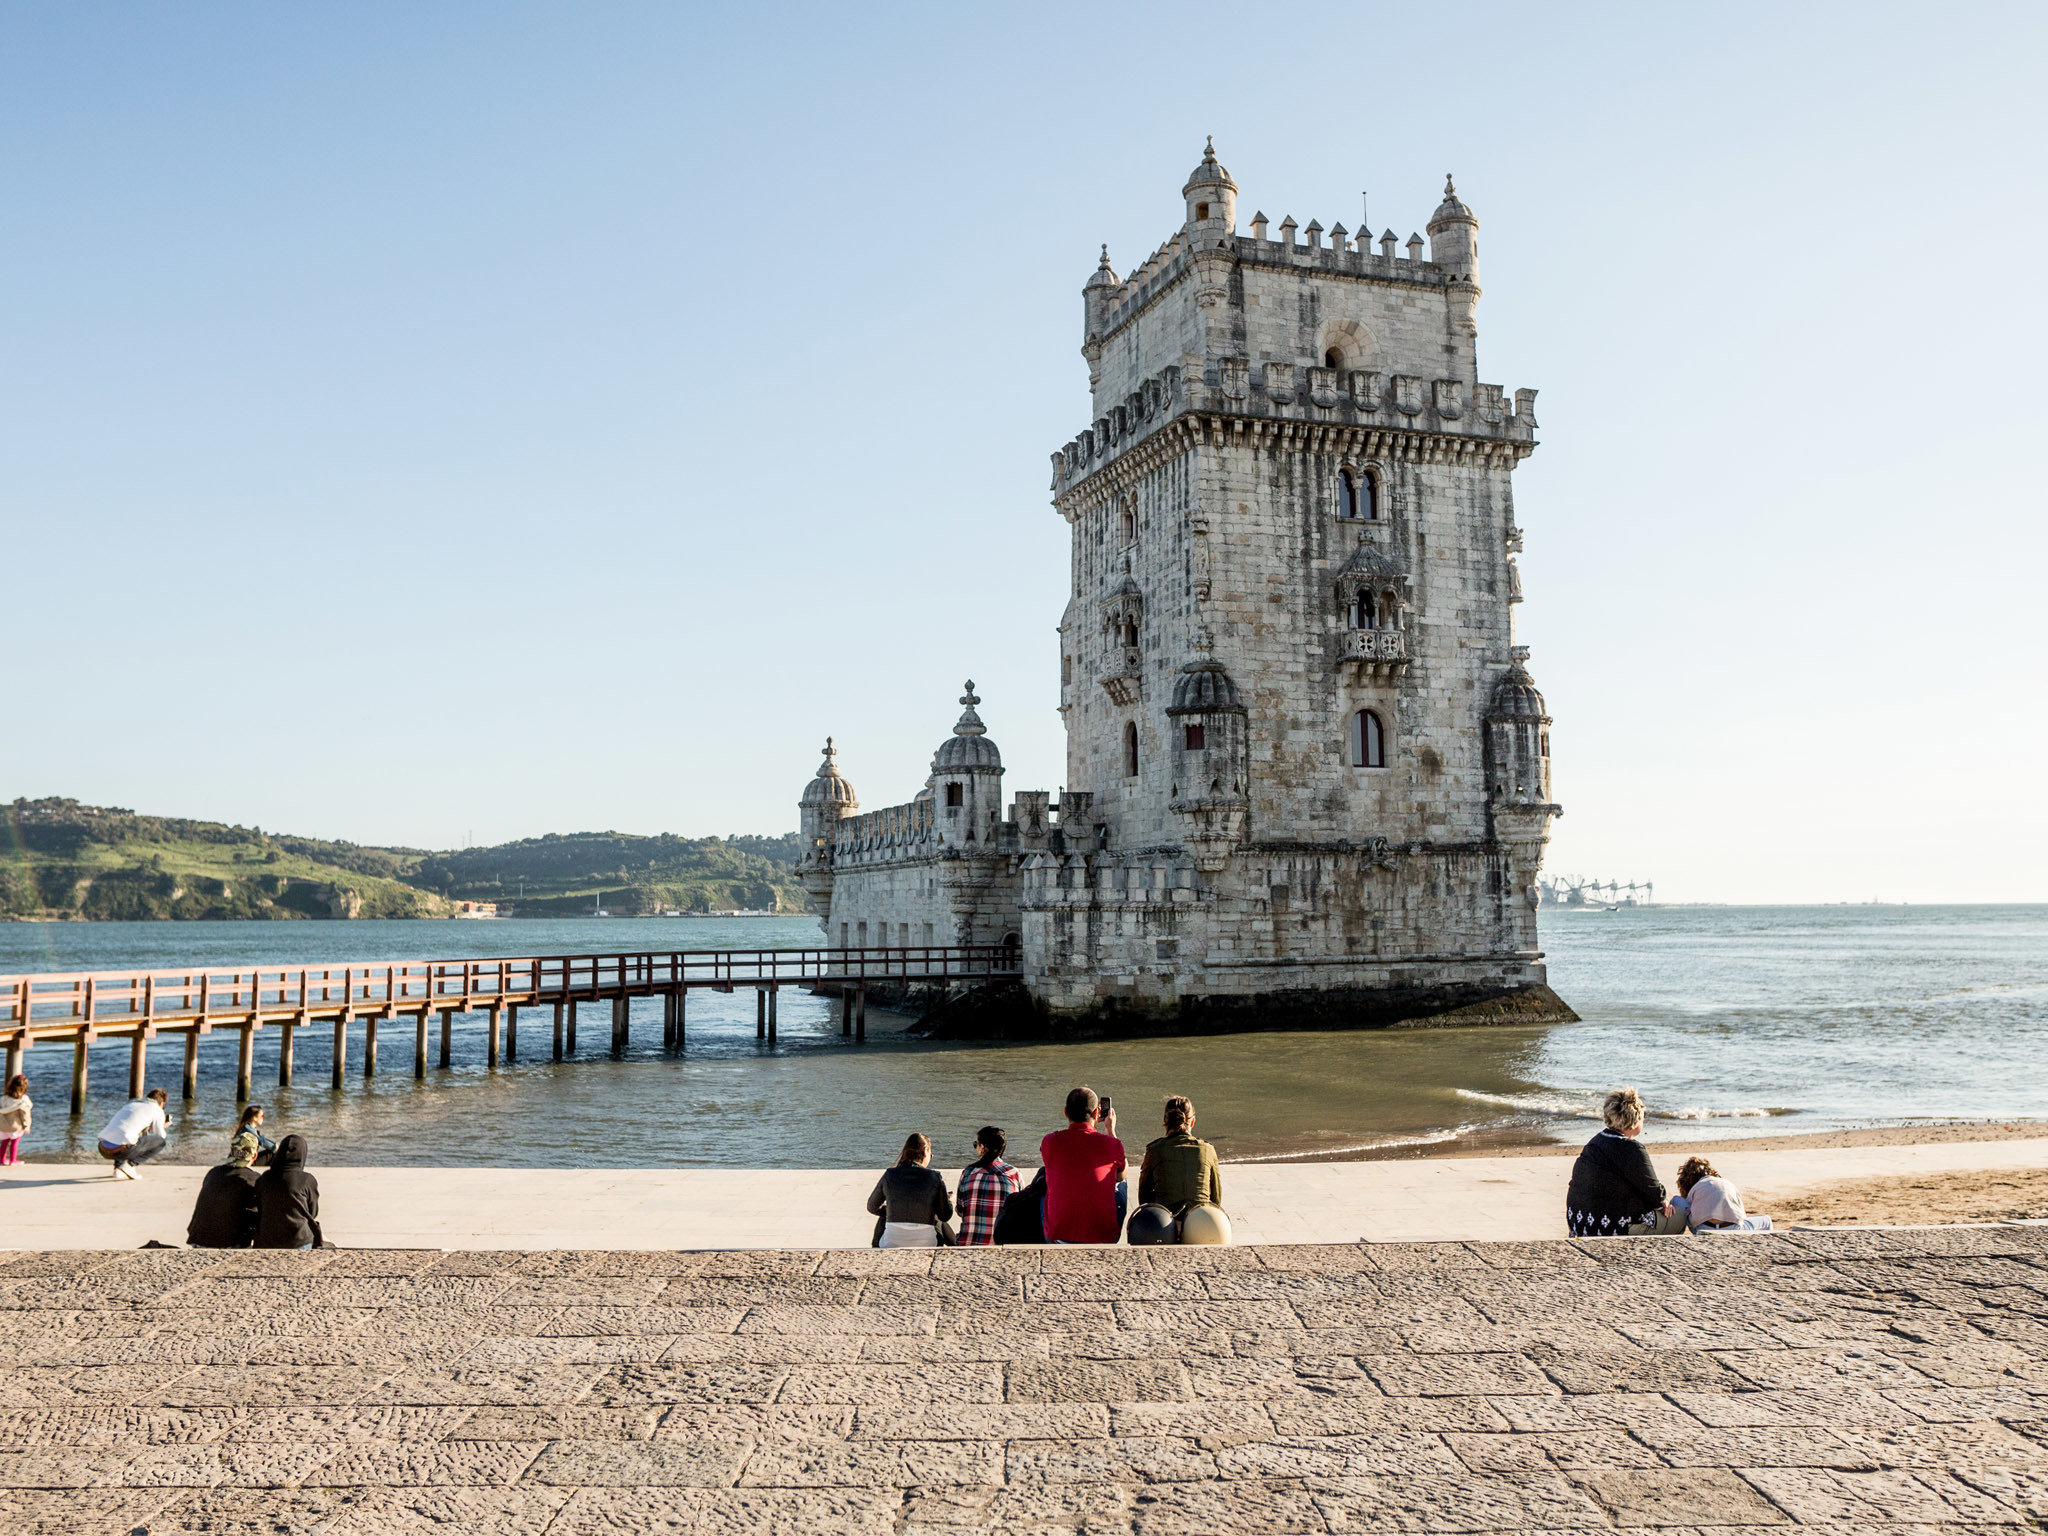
1124, 684
1376, 650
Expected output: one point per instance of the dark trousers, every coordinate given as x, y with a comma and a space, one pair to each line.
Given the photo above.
152, 1143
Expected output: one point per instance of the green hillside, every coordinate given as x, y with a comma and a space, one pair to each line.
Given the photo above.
63, 860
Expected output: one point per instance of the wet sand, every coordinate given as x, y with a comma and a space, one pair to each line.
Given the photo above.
1529, 1143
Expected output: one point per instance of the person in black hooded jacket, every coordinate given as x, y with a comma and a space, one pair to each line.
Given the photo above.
288, 1200
224, 1216
1614, 1190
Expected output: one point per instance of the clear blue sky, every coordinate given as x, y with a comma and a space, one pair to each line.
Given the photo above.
419, 422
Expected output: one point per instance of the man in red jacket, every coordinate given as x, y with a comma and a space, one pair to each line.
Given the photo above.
1083, 1167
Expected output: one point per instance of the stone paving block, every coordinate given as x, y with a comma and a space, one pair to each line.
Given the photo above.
599, 1463
1362, 1414
1543, 1501
1823, 1496
1456, 1375
763, 1348
1695, 1496
1213, 1426
1637, 1371
874, 1463
272, 1385
1808, 1446
488, 1385
1570, 1450
380, 1421
1632, 1411
553, 1423
642, 1348
596, 1291
82, 1512
864, 1320
373, 1263
729, 1512
1110, 1285
1292, 1285
1955, 1447
427, 1511
695, 1421
631, 1385
427, 1463
903, 1385
273, 1264
1828, 1409
1098, 1381
744, 1291
363, 1350
992, 1421
957, 1289
1339, 1456
1241, 1507
61, 1467
1114, 1343
1820, 1368
1205, 1315
1086, 1317
1263, 1381
916, 1349
1123, 1460
621, 1321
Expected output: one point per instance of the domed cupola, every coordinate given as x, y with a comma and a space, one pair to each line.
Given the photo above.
1454, 236
829, 788
1516, 698
1211, 196
1205, 688
968, 747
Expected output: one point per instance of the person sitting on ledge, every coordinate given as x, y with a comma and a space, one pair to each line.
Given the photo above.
910, 1204
1614, 1190
1084, 1173
250, 1147
984, 1185
1180, 1172
1709, 1203
224, 1215
288, 1200
138, 1131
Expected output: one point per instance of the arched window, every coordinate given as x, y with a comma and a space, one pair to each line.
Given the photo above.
1197, 738
1363, 612
1368, 741
1333, 358
1347, 495
1127, 526
1369, 496
953, 794
1130, 749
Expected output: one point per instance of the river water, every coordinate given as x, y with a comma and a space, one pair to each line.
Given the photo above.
1747, 1020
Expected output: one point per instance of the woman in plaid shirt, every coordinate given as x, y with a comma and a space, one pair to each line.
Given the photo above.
984, 1185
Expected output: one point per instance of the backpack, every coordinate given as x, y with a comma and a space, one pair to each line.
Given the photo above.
1022, 1218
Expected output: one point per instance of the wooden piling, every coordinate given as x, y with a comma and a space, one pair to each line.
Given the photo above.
191, 1083
138, 1062
419, 1044
845, 1013
447, 1036
572, 1026
512, 1032
682, 1014
860, 1013
558, 1032
491, 1050
621, 1025
17, 1043
245, 1063
370, 1046
289, 1024
760, 1013
668, 1021
84, 1039
773, 993
340, 1049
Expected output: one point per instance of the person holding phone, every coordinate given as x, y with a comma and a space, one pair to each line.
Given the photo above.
1084, 1174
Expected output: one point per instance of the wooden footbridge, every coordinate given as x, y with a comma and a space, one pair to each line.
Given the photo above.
83, 1007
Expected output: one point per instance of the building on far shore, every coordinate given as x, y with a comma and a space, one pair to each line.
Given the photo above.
1312, 770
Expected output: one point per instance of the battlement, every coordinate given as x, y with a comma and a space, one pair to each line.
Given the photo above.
893, 828
1364, 397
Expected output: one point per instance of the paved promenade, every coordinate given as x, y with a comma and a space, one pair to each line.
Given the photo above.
1849, 1382
76, 1205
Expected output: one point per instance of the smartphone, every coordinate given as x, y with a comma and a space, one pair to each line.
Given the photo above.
1105, 1107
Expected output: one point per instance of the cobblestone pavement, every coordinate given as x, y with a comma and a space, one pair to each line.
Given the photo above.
1851, 1381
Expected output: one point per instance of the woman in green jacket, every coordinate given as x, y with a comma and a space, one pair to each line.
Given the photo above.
1179, 1171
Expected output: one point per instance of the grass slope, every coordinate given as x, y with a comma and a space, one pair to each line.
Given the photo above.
60, 859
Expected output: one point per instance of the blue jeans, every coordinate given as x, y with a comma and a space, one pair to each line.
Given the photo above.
142, 1151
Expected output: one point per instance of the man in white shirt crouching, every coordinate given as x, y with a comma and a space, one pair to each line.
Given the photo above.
138, 1131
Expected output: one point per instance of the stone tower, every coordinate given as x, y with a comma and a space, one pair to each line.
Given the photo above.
1312, 772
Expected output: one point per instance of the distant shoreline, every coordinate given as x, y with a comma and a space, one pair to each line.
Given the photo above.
1525, 1142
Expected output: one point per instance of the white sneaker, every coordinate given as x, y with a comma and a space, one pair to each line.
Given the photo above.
127, 1172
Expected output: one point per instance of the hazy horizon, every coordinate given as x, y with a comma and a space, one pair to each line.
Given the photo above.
495, 420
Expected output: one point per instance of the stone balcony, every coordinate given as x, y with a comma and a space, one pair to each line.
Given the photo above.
1124, 683
1375, 651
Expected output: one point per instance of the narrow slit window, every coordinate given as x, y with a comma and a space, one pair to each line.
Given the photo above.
1130, 749
1347, 495
1197, 737
953, 794
1369, 497
1368, 741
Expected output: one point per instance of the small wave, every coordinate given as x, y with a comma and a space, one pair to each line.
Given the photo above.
1588, 1108
1368, 1146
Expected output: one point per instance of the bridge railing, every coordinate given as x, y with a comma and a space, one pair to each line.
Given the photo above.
116, 999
